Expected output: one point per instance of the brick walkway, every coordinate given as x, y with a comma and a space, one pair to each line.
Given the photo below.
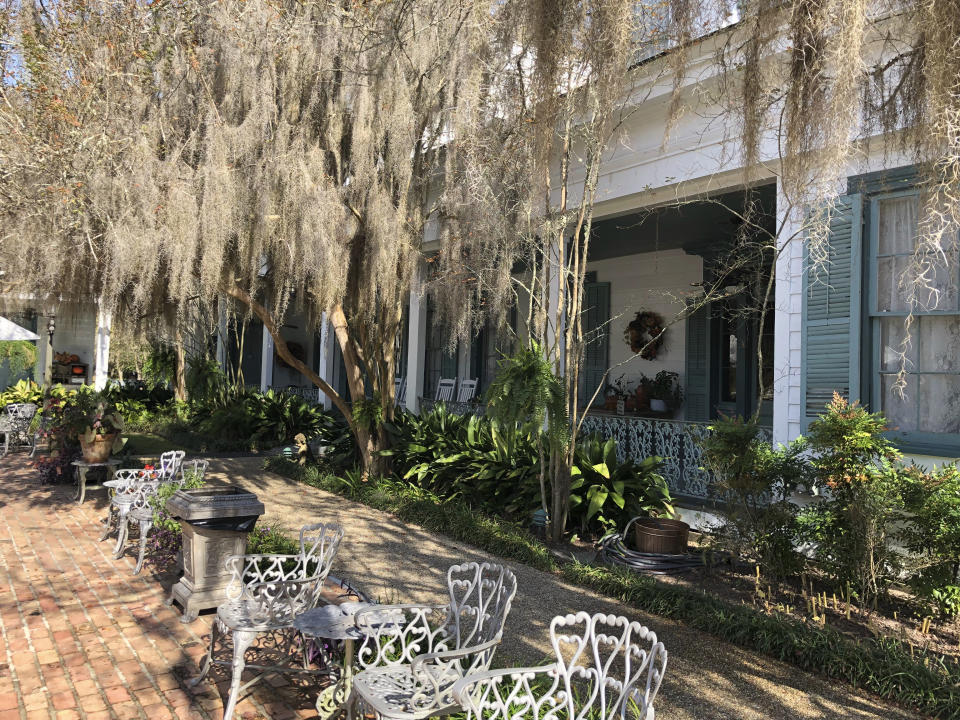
83, 638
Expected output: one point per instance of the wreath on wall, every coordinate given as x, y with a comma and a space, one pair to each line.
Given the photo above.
645, 334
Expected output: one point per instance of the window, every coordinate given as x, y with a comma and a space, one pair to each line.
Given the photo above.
925, 404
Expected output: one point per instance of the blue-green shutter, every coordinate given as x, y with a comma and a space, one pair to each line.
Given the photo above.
596, 331
698, 365
831, 313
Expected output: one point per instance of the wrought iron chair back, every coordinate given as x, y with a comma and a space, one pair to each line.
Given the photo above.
445, 388
277, 588
195, 469
19, 416
470, 624
607, 667
170, 463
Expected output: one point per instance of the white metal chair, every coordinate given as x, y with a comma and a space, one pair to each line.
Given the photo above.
399, 391
607, 668
445, 388
17, 432
121, 487
411, 663
142, 513
265, 594
468, 388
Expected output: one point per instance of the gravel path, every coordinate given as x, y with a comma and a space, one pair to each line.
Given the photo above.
707, 679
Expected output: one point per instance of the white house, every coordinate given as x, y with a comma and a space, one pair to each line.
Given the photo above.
661, 221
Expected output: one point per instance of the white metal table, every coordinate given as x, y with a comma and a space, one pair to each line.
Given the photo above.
82, 467
335, 622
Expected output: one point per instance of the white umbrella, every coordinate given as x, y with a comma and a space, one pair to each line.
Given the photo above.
11, 331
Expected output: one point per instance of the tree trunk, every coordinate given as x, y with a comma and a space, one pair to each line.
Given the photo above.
369, 440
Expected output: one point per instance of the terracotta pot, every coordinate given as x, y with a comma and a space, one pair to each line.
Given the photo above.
97, 450
643, 400
661, 535
610, 403
630, 403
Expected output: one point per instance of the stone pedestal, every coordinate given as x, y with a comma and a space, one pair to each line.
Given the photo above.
215, 522
205, 578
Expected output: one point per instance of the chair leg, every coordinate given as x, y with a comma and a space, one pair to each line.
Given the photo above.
109, 522
208, 662
122, 533
241, 642
145, 526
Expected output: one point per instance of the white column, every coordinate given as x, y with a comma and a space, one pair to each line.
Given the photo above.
788, 317
325, 360
416, 342
101, 348
222, 330
266, 361
554, 335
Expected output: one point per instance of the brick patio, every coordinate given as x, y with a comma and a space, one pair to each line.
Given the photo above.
83, 638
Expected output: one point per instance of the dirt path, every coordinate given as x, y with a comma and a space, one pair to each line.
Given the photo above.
707, 679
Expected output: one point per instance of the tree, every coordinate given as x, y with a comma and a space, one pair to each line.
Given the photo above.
254, 151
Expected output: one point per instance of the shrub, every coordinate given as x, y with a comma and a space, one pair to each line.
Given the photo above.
606, 493
489, 464
755, 483
278, 417
853, 465
932, 534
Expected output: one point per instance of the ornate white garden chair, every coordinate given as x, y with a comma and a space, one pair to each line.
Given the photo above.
142, 513
411, 662
17, 431
123, 493
607, 668
265, 594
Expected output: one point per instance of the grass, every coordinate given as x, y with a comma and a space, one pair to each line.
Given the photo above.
146, 444
884, 666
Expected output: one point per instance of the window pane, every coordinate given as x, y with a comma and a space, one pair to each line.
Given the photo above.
939, 399
940, 293
939, 343
898, 224
901, 412
892, 333
890, 296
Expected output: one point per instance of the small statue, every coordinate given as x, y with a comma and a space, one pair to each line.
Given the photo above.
303, 450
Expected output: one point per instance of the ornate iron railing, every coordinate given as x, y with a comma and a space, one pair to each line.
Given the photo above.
676, 441
673, 440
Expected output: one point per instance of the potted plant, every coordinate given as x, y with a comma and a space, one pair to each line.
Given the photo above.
642, 393
665, 393
95, 421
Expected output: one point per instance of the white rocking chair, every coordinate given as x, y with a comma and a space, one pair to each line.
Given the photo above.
445, 388
602, 671
412, 662
468, 388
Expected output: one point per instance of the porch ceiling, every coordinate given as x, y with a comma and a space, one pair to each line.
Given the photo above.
700, 227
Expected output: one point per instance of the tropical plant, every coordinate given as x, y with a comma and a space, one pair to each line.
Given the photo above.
204, 378
526, 390
489, 464
24, 391
754, 484
160, 365
606, 493
666, 387
88, 414
854, 468
278, 417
